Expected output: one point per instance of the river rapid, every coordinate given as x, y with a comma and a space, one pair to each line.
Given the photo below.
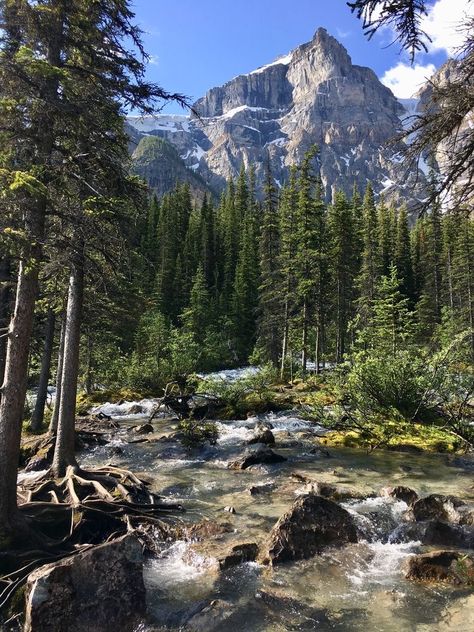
357, 587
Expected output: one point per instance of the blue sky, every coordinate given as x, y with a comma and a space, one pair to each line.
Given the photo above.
197, 44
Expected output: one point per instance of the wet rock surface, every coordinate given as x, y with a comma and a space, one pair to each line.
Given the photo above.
310, 525
261, 455
452, 567
444, 508
99, 590
408, 495
264, 436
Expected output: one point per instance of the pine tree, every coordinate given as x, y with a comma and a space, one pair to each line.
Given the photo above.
308, 250
288, 241
403, 260
369, 261
197, 316
342, 258
269, 321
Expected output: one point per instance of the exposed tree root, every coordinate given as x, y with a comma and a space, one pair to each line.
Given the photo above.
69, 515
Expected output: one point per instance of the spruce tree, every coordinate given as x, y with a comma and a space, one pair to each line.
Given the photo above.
269, 321
341, 258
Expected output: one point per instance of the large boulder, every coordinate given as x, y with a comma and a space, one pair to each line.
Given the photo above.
444, 508
452, 567
262, 455
99, 590
312, 523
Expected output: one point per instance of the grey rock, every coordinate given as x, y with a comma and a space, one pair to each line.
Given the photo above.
312, 523
262, 436
262, 455
238, 554
99, 590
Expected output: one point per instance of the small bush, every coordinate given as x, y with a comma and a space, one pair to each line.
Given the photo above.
197, 433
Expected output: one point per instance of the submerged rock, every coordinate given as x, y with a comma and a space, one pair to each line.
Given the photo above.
400, 492
143, 429
452, 567
312, 523
294, 614
210, 617
99, 590
333, 492
207, 529
262, 488
262, 455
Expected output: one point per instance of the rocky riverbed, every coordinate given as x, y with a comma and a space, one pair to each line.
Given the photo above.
262, 557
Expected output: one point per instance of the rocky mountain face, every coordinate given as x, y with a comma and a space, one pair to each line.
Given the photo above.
313, 95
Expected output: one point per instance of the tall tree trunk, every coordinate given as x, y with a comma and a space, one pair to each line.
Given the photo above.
284, 349
89, 381
16, 367
5, 307
304, 340
317, 352
65, 439
38, 413
53, 426
21, 326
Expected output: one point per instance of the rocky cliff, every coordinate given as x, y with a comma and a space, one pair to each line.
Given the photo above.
313, 95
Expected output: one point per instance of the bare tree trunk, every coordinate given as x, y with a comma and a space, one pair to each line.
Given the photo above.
38, 413
317, 353
284, 349
304, 341
5, 307
64, 452
89, 381
16, 368
53, 426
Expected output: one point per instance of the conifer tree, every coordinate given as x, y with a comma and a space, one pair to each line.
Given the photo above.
403, 260
342, 258
288, 242
269, 321
369, 261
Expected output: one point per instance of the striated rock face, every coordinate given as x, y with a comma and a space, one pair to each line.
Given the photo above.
312, 95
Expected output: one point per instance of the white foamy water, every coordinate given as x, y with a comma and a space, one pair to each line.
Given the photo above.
179, 564
383, 566
231, 375
125, 409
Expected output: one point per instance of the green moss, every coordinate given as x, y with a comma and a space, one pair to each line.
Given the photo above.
17, 603
393, 434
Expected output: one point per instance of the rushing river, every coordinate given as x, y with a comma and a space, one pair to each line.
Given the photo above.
357, 587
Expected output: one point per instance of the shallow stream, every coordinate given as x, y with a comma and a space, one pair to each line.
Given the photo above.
357, 587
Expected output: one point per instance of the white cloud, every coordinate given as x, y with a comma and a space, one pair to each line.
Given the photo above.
444, 24
153, 60
404, 80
